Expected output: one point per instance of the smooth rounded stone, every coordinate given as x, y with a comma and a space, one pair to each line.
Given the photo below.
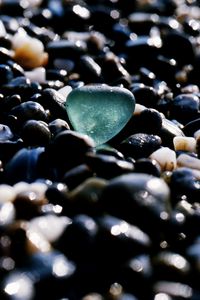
90, 71
100, 111
64, 64
69, 149
6, 74
5, 55
18, 85
185, 160
142, 51
77, 176
85, 197
165, 68
147, 76
171, 266
106, 149
179, 41
24, 166
29, 110
57, 126
43, 223
57, 194
174, 290
28, 205
2, 29
184, 143
184, 182
66, 49
139, 268
185, 108
120, 33
140, 145
10, 102
145, 95
5, 133
150, 121
7, 193
166, 158
37, 74
35, 133
141, 22
191, 27
84, 228
190, 89
103, 12
50, 270
93, 296
28, 51
9, 148
55, 102
115, 233
107, 166
196, 136
52, 74
133, 196
25, 286
190, 128
147, 166
114, 71
65, 90
168, 131
21, 187
7, 213
17, 70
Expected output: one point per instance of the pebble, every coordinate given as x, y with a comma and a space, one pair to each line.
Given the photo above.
185, 160
131, 194
140, 145
166, 158
184, 144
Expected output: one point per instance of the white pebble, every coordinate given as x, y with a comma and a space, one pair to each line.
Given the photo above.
29, 52
21, 187
64, 91
49, 226
139, 108
197, 134
7, 193
166, 158
19, 38
184, 143
37, 242
39, 188
33, 3
2, 29
37, 74
185, 160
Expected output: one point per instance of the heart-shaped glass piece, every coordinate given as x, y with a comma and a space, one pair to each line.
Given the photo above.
100, 111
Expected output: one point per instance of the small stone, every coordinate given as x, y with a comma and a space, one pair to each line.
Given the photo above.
100, 111
185, 160
166, 158
184, 143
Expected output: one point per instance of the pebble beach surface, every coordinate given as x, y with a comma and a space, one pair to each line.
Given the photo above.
99, 149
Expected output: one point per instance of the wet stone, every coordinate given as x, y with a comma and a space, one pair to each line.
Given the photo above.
140, 145
131, 196
185, 108
100, 111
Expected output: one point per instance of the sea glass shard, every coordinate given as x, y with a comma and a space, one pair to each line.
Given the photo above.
100, 111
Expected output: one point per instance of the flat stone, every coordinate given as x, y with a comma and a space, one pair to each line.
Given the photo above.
100, 111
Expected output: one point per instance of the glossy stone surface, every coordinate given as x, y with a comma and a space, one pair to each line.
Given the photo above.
100, 111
